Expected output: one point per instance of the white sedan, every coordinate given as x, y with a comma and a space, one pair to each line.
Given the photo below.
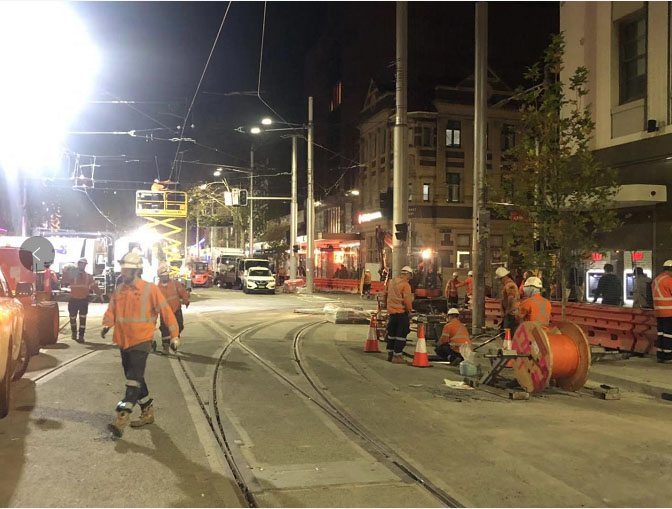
258, 279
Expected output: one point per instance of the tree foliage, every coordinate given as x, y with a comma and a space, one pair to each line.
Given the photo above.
560, 191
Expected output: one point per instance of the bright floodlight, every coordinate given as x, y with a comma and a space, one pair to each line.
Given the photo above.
255, 130
427, 254
217, 172
48, 67
266, 121
354, 192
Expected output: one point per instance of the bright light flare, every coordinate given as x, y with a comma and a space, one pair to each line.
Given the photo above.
255, 130
49, 65
266, 121
426, 254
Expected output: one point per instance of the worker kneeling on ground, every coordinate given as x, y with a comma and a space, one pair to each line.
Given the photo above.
176, 295
133, 309
397, 298
454, 335
534, 308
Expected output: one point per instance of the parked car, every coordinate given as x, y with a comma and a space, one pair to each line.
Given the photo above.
201, 275
13, 350
258, 279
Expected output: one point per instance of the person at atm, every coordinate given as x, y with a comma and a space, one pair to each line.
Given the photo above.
609, 288
641, 290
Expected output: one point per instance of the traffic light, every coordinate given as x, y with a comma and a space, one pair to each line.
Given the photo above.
401, 231
242, 198
295, 248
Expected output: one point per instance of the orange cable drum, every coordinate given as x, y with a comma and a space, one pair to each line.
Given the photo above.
565, 355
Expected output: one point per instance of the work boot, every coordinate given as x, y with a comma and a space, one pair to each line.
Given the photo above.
74, 336
153, 345
117, 427
389, 356
81, 338
146, 417
398, 359
166, 348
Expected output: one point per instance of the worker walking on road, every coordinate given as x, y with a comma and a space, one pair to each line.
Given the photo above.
176, 295
469, 283
510, 299
451, 291
81, 285
662, 305
454, 335
397, 298
133, 309
534, 308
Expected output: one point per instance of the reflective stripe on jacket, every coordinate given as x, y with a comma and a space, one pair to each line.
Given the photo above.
175, 294
534, 309
451, 288
455, 333
133, 311
469, 283
510, 296
398, 296
82, 285
662, 294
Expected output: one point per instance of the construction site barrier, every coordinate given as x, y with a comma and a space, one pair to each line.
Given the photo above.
345, 285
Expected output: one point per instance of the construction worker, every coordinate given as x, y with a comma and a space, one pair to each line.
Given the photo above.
534, 308
158, 186
81, 285
454, 335
509, 298
49, 279
662, 305
366, 283
176, 295
469, 283
397, 298
133, 309
451, 290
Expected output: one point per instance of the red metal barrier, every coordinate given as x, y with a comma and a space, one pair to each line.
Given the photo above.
345, 285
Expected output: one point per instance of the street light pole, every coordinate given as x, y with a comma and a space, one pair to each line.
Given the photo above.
310, 206
251, 202
293, 211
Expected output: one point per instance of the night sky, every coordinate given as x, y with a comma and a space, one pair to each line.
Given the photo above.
154, 52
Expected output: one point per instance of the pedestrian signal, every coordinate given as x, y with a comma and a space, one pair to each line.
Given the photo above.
401, 231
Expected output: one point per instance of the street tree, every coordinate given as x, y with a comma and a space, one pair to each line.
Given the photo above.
560, 194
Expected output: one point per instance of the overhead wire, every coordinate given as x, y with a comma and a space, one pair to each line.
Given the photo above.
85, 191
261, 61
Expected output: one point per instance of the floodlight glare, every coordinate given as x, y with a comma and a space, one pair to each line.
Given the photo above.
266, 121
255, 130
48, 67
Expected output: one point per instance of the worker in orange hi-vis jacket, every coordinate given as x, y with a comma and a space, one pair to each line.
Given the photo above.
133, 310
81, 286
469, 283
454, 335
534, 308
509, 298
176, 295
662, 306
451, 290
398, 299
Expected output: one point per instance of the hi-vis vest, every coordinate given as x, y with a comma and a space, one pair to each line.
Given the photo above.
174, 293
662, 294
535, 309
81, 286
455, 333
398, 295
451, 288
133, 310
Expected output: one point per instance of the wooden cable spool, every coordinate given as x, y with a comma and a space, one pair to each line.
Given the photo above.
561, 353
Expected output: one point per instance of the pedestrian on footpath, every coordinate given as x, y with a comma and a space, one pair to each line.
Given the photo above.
451, 291
81, 285
509, 298
398, 300
176, 295
609, 288
641, 290
469, 283
133, 309
454, 335
662, 305
534, 308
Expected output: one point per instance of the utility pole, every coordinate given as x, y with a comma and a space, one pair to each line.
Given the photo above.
198, 234
251, 202
480, 215
310, 208
294, 212
400, 201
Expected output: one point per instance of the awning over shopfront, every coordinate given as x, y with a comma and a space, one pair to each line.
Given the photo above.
637, 195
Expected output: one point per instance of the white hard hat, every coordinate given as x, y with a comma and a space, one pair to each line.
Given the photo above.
163, 270
533, 281
454, 274
668, 263
453, 311
83, 260
131, 261
407, 269
501, 272
470, 273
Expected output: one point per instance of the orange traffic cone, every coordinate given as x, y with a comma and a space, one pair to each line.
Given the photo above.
420, 358
371, 345
508, 346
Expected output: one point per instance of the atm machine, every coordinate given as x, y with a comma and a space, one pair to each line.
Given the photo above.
629, 285
592, 279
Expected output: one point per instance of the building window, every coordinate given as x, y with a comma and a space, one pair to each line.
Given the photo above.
425, 137
453, 185
425, 192
632, 58
410, 191
383, 141
463, 240
508, 137
336, 96
454, 134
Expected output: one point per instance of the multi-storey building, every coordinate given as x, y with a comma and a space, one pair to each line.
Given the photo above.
440, 164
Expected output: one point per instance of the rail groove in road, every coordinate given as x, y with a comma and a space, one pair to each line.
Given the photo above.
338, 414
